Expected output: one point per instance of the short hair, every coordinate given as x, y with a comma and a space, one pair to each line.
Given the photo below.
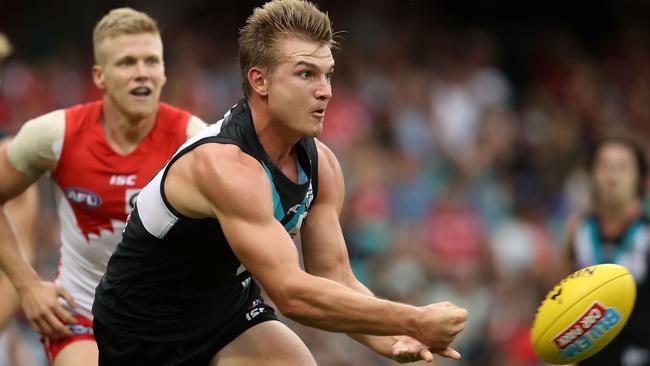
259, 38
119, 22
632, 145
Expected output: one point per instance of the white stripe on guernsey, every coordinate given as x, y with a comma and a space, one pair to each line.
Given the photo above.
154, 213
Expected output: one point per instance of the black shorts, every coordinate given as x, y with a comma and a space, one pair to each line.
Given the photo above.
116, 350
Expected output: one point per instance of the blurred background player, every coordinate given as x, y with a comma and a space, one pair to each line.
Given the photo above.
617, 230
99, 155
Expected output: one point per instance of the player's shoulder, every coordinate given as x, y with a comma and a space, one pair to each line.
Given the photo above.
227, 174
326, 156
330, 183
574, 222
55, 117
328, 163
225, 161
172, 113
48, 127
174, 117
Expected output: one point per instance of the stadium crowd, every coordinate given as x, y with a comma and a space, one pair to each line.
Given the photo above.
462, 152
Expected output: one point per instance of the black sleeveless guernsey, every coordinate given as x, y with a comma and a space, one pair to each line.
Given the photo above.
174, 278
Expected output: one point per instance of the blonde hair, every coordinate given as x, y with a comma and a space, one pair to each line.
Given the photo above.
119, 22
259, 38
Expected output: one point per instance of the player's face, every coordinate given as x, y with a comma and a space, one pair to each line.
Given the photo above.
300, 86
132, 73
615, 174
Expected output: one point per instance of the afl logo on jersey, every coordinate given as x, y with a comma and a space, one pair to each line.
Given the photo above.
83, 197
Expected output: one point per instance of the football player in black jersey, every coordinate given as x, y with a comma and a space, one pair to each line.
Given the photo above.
235, 194
616, 230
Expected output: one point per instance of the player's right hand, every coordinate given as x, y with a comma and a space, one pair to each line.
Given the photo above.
439, 325
43, 310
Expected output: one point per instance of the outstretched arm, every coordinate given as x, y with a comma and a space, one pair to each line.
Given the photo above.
236, 188
325, 254
38, 298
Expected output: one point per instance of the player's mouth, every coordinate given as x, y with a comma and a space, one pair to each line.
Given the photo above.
141, 91
318, 113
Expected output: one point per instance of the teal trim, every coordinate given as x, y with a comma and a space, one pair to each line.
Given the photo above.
592, 226
278, 210
628, 241
302, 177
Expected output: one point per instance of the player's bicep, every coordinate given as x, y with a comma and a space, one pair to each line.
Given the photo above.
37, 146
323, 245
13, 182
324, 250
263, 247
240, 193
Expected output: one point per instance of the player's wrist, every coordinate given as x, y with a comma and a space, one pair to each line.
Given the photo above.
414, 322
25, 280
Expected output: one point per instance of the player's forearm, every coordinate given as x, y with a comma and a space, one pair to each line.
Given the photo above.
379, 344
22, 212
9, 302
328, 305
12, 261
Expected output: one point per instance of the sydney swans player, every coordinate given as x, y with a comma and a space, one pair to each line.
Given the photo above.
99, 155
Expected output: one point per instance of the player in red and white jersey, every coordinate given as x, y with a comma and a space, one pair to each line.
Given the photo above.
98, 156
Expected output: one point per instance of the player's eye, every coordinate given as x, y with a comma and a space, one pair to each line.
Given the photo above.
126, 61
305, 74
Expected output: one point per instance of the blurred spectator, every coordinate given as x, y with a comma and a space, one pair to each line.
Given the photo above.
458, 128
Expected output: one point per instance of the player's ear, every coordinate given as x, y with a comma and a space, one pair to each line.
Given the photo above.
257, 78
99, 77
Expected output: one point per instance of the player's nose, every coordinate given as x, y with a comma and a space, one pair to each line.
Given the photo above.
324, 89
141, 70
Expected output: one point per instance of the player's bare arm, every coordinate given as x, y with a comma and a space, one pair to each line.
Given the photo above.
22, 212
38, 298
228, 182
325, 254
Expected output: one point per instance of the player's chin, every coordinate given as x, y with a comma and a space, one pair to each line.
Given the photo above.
314, 132
315, 129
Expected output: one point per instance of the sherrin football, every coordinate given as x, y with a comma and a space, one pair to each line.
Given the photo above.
583, 313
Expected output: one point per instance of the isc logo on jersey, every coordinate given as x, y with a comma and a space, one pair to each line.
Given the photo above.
122, 180
83, 197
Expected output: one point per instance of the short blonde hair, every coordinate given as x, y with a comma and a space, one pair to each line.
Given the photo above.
119, 22
259, 38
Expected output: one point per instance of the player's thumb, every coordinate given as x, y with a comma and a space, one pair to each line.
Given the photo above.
66, 295
449, 353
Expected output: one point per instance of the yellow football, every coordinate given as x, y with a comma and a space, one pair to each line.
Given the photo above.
583, 313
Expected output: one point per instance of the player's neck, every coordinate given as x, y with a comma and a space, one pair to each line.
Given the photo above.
123, 133
619, 215
277, 142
